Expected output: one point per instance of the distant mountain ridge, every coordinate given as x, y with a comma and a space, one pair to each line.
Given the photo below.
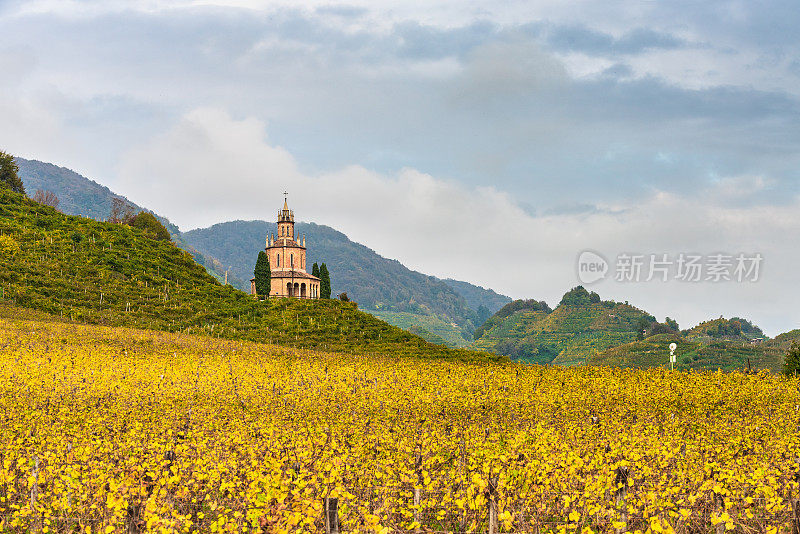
432, 308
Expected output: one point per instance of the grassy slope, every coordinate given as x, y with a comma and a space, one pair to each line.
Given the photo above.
429, 327
369, 279
109, 274
567, 336
79, 195
783, 341
725, 355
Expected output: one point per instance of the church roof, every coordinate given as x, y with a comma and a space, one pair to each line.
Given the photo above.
292, 274
281, 242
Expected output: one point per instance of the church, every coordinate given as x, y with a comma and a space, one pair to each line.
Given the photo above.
287, 262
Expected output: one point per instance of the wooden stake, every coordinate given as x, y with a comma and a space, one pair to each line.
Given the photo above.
622, 493
492, 504
331, 510
720, 528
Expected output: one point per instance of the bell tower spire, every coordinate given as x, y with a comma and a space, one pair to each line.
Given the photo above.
286, 220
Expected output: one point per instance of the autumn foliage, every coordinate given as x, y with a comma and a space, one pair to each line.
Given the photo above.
122, 430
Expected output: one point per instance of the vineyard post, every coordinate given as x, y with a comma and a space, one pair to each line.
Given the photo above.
720, 502
331, 511
492, 504
623, 472
796, 505
418, 491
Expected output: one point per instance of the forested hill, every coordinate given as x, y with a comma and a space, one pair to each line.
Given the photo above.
578, 327
78, 195
484, 301
117, 275
375, 282
430, 307
583, 329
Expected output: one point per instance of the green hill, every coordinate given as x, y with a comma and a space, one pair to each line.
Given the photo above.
429, 327
583, 329
726, 355
579, 327
484, 301
381, 286
734, 329
78, 195
110, 274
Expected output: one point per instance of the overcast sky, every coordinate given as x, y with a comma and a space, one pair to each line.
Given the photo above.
490, 142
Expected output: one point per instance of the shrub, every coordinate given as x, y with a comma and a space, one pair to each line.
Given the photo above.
8, 246
147, 222
9, 176
791, 364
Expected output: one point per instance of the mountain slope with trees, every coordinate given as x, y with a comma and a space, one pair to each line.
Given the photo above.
583, 329
578, 327
404, 297
78, 195
376, 283
114, 274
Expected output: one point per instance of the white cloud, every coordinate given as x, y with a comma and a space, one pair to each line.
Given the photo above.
211, 167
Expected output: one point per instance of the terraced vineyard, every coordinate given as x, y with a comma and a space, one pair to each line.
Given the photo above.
121, 430
568, 335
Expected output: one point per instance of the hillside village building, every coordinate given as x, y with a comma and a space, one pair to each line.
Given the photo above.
287, 261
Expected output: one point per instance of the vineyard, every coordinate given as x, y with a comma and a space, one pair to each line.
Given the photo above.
112, 274
121, 430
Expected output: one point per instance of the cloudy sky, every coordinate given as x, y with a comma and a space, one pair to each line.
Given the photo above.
491, 142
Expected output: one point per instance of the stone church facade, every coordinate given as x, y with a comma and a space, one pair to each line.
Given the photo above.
287, 262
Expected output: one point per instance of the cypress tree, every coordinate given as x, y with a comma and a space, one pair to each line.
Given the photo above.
8, 173
315, 270
262, 274
324, 282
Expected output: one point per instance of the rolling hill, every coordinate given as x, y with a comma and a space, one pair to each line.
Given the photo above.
378, 284
568, 335
81, 196
436, 309
583, 329
111, 274
710, 355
